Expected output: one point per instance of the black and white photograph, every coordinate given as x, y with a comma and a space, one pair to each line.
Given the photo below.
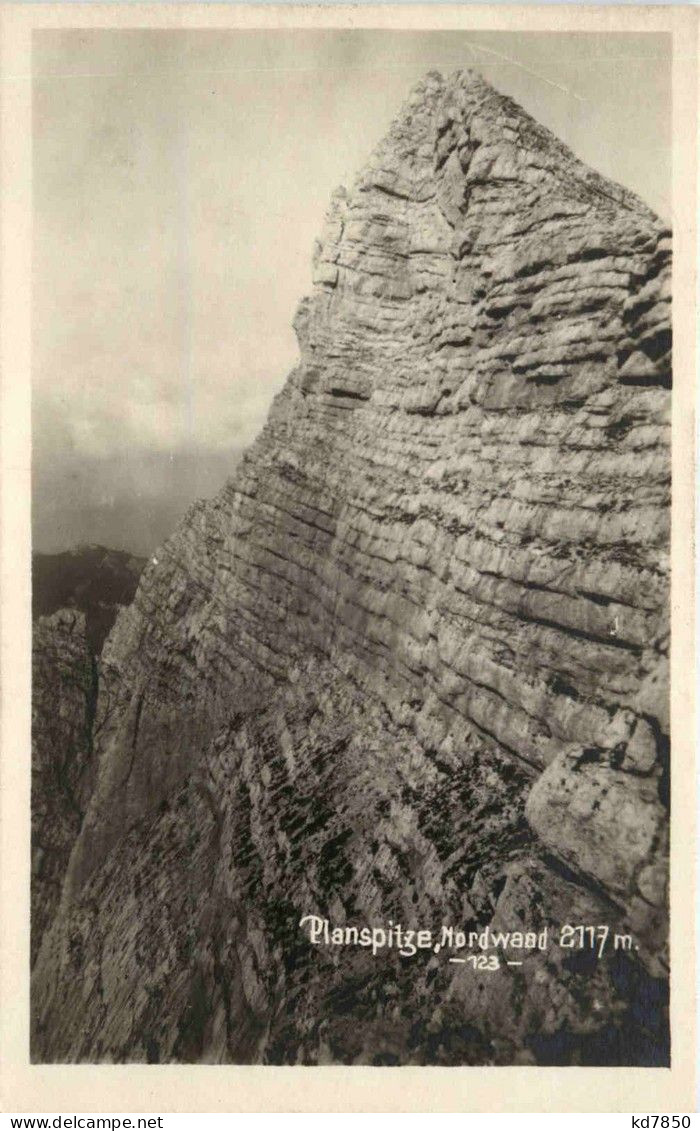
351, 495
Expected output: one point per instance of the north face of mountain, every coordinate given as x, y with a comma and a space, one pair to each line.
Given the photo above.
411, 664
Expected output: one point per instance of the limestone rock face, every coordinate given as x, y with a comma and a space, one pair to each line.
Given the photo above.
411, 663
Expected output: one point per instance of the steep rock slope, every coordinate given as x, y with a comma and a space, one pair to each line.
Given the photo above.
75, 598
411, 662
64, 689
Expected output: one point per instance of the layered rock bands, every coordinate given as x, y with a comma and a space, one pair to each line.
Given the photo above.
410, 664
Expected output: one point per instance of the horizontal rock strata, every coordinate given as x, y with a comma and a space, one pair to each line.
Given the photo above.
412, 660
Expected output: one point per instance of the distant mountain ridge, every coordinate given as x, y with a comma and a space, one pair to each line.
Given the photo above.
91, 578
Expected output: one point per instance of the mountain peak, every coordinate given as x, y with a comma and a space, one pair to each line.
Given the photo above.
463, 113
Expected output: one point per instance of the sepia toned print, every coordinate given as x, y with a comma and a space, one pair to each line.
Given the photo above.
367, 761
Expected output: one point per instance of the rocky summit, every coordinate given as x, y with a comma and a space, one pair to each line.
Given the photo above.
410, 666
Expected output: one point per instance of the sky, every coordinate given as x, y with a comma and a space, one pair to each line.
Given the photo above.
179, 181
